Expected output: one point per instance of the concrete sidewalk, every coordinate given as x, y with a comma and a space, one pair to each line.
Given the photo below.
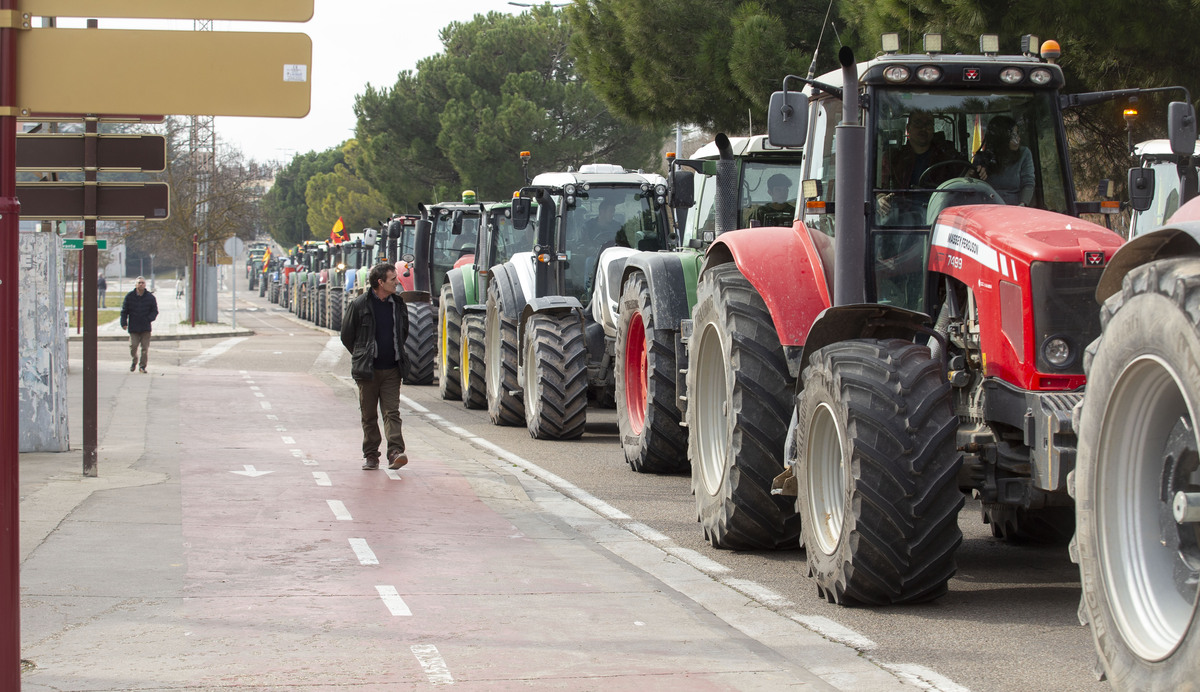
174, 570
172, 322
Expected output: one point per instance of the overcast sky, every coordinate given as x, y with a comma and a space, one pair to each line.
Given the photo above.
355, 43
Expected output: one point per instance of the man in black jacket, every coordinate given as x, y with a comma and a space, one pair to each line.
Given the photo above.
374, 331
137, 312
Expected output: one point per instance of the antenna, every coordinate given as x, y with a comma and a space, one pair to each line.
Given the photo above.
812, 66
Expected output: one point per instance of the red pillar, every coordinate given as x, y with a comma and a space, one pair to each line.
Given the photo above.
10, 209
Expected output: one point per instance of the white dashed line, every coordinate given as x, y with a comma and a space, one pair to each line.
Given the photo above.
413, 405
215, 351
271, 416
310, 462
287, 440
322, 478
835, 631
923, 677
297, 452
758, 592
646, 533
254, 389
259, 394
435, 668
339, 510
363, 552
391, 599
266, 405
394, 475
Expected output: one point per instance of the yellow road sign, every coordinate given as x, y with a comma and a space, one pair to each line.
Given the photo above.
245, 10
168, 72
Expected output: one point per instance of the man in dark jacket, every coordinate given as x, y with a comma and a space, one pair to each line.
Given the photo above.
137, 312
374, 331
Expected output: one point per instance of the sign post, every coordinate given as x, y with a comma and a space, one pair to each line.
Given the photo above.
10, 248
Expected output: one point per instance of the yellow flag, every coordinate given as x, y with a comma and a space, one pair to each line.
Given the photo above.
976, 137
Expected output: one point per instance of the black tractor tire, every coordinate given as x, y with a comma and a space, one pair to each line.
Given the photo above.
877, 473
556, 376
262, 287
1139, 566
449, 326
473, 379
739, 405
421, 345
500, 362
336, 308
648, 416
322, 311
1018, 525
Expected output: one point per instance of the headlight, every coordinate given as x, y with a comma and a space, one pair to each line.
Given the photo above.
929, 73
660, 190
1011, 75
569, 189
1057, 352
896, 73
1040, 76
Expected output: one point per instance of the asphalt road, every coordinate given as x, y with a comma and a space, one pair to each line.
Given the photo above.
1008, 622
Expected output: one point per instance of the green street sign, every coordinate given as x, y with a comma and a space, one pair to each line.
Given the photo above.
77, 243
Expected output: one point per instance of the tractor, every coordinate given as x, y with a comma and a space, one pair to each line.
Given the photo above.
658, 289
546, 349
917, 334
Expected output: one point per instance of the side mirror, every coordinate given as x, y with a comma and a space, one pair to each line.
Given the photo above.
787, 119
1141, 187
520, 213
683, 189
456, 223
1181, 128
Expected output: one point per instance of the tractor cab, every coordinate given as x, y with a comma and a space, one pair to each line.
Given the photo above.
454, 231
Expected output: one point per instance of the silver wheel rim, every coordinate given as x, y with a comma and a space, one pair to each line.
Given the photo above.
711, 400
491, 355
464, 356
530, 372
1145, 573
826, 464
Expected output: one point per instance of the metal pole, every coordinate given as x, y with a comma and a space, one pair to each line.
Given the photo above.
10, 247
195, 238
90, 409
233, 284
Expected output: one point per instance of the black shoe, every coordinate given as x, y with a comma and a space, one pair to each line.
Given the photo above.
397, 460
371, 464
143, 371
131, 367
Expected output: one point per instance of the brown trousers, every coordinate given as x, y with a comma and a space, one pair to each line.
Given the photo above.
138, 339
381, 393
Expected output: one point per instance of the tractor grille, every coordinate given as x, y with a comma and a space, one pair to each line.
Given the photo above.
1064, 306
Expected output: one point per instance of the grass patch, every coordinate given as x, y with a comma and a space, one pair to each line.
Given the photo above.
102, 317
110, 301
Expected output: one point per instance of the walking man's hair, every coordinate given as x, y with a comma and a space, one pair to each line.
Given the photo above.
378, 273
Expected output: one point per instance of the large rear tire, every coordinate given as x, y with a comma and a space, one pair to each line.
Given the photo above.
1137, 449
473, 379
449, 332
500, 358
556, 375
322, 307
421, 344
877, 473
647, 414
336, 298
739, 404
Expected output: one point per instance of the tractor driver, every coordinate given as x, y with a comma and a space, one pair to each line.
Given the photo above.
924, 161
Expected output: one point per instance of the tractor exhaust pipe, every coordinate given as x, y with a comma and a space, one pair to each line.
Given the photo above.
422, 252
727, 186
850, 224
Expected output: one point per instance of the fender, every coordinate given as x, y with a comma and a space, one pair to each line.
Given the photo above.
470, 280
874, 321
790, 268
511, 296
454, 277
607, 291
1175, 239
416, 297
671, 277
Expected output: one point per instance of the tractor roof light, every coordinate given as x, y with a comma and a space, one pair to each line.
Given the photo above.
569, 189
1011, 75
1040, 76
989, 44
1029, 45
1051, 51
896, 73
1131, 111
932, 43
891, 43
810, 189
660, 189
670, 156
525, 156
468, 196
929, 73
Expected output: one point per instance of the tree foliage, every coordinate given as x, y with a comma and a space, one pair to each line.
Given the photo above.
503, 84
710, 63
343, 194
285, 204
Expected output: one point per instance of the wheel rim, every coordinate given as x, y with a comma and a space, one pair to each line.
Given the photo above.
711, 400
1149, 563
530, 372
635, 374
464, 357
491, 355
443, 343
826, 480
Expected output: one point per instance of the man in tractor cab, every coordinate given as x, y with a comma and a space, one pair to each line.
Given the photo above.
781, 209
924, 161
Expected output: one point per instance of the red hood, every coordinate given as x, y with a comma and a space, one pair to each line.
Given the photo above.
1032, 234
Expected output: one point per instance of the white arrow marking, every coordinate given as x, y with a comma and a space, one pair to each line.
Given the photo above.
250, 472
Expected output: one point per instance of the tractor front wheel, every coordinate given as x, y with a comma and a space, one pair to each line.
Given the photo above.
556, 374
449, 326
472, 381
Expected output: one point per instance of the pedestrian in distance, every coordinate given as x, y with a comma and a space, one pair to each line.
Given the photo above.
101, 288
374, 332
138, 310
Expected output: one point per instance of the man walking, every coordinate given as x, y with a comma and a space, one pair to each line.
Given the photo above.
374, 332
138, 310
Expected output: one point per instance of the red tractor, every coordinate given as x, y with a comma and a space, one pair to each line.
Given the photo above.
917, 334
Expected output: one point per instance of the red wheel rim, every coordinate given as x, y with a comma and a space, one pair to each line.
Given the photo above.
635, 374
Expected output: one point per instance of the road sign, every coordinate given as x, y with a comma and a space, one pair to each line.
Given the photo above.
77, 243
233, 246
176, 72
114, 201
255, 10
113, 152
